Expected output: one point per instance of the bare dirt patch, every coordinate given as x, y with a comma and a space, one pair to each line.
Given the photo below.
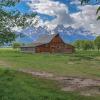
97, 58
88, 87
90, 91
71, 63
4, 64
84, 86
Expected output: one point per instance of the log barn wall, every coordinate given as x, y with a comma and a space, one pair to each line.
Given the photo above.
56, 45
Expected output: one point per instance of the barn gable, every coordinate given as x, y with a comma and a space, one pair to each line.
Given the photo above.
52, 43
47, 38
57, 39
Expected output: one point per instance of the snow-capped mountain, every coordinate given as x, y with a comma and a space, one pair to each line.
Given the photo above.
69, 34
61, 29
31, 34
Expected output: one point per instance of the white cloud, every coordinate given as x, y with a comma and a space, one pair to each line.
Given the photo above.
62, 18
53, 8
47, 7
77, 2
87, 18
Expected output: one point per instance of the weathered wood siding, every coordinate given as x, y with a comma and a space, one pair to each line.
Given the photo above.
55, 46
28, 49
42, 48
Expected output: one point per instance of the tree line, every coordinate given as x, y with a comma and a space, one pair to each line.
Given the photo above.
88, 44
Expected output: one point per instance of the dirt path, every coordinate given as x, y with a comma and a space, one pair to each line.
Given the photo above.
84, 86
4, 64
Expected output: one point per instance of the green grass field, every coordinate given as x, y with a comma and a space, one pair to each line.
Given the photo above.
15, 85
82, 63
19, 86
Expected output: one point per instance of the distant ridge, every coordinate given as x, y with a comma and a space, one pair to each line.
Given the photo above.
69, 34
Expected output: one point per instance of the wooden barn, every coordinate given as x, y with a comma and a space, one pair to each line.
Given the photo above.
51, 43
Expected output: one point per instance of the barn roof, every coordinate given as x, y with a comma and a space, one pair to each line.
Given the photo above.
44, 39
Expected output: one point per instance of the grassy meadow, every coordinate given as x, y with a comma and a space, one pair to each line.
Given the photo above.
15, 85
19, 86
81, 63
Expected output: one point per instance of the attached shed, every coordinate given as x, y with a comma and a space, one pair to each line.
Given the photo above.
53, 44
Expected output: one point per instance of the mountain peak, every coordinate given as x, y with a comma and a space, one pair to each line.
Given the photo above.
69, 34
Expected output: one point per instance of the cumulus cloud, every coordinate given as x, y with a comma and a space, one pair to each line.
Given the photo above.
46, 7
53, 8
62, 18
87, 18
77, 2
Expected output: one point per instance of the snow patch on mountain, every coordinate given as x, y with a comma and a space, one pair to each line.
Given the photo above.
69, 34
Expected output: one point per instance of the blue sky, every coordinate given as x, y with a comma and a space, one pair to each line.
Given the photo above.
23, 7
67, 12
